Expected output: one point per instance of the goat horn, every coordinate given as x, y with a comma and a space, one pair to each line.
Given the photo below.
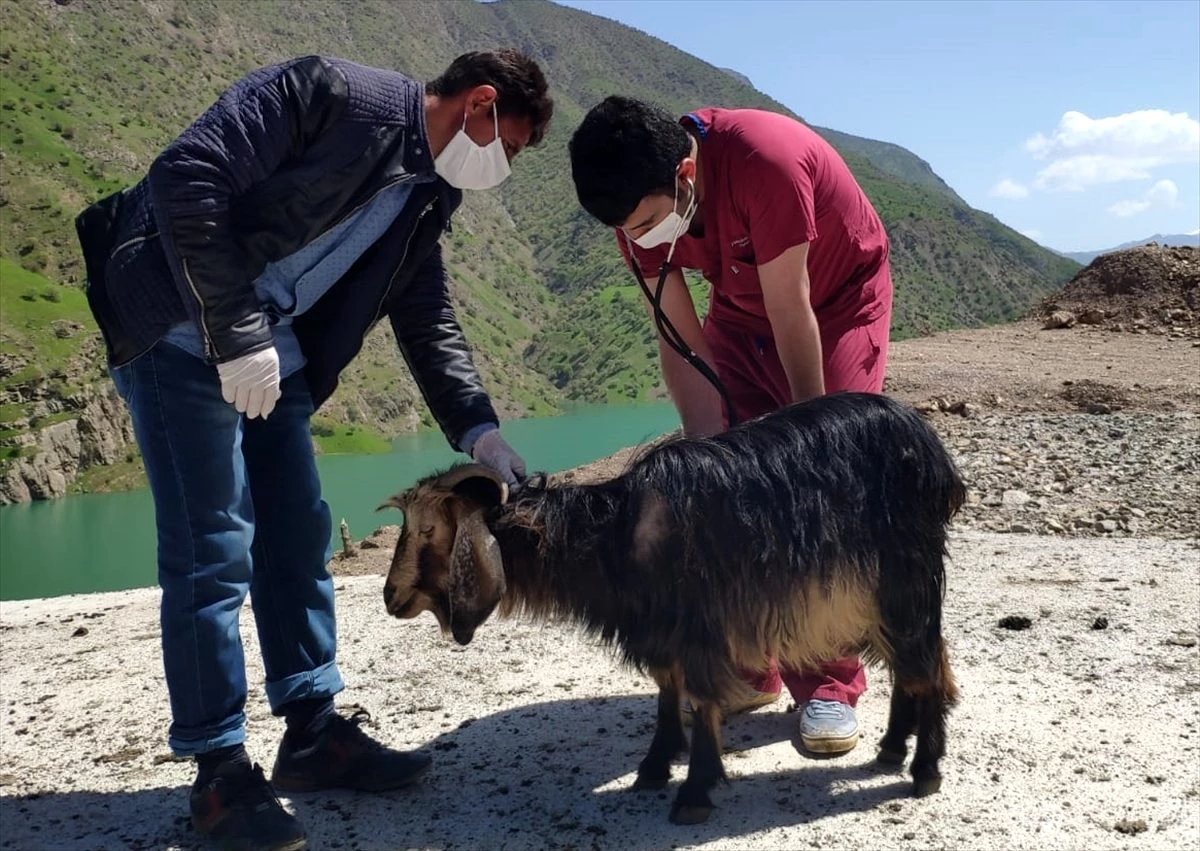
453, 479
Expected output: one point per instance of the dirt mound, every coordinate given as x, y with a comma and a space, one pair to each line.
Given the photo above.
1151, 288
1094, 396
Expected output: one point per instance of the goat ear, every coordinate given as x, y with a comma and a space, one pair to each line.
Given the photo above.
476, 576
476, 481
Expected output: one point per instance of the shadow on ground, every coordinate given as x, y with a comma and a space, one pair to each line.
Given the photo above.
547, 775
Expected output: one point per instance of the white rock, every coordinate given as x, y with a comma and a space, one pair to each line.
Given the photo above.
1014, 498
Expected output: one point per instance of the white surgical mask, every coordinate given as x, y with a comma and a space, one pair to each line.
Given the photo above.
466, 165
672, 225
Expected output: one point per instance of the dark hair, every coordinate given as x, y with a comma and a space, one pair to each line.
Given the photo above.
622, 151
521, 89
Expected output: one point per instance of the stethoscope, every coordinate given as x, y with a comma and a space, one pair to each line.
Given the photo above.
667, 330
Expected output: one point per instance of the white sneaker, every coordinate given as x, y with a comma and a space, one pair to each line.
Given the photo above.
828, 727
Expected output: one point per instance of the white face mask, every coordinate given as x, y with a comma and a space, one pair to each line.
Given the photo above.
466, 165
672, 225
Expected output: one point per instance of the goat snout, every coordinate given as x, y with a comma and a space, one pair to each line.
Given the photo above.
394, 607
463, 633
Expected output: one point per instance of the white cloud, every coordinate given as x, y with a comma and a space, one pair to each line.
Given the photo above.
1142, 132
1125, 209
1164, 193
1074, 174
1009, 189
1084, 151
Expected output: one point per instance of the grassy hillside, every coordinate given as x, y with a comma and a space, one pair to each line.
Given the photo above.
92, 90
892, 160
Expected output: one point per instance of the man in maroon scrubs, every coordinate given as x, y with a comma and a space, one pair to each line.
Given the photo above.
801, 292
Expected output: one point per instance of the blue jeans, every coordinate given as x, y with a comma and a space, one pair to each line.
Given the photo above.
238, 508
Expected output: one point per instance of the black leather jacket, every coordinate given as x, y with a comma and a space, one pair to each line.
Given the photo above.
286, 153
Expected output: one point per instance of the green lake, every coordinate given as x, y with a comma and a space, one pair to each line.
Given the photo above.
105, 542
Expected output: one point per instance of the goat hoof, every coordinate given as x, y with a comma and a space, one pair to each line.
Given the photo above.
651, 781
890, 757
692, 804
689, 813
926, 785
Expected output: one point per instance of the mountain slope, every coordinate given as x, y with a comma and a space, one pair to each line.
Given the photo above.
93, 90
891, 159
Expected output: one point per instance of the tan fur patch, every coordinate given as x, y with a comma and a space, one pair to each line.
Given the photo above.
946, 677
652, 526
425, 527
667, 678
823, 623
942, 685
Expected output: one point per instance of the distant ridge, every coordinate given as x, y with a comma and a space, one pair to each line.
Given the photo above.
1170, 239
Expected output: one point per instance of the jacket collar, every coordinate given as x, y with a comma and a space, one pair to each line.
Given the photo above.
418, 159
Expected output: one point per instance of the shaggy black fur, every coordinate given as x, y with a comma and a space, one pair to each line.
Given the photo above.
847, 482
709, 553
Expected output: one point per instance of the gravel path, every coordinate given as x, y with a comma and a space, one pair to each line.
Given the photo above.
1117, 475
1068, 736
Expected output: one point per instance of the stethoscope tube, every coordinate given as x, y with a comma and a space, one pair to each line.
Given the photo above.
672, 336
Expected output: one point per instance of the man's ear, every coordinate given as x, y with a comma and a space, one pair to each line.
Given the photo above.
687, 169
481, 98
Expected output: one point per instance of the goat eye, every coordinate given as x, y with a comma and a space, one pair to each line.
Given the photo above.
426, 531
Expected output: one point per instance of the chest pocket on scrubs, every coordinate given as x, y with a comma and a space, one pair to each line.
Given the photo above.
739, 283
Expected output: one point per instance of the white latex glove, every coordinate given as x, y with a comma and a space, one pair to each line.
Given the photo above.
493, 450
251, 383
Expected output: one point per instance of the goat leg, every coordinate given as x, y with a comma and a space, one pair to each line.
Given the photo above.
931, 745
692, 804
902, 723
669, 741
932, 710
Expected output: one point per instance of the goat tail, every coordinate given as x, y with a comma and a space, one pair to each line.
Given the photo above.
954, 492
922, 472
911, 587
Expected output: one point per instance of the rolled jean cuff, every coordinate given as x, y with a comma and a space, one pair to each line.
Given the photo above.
232, 731
324, 681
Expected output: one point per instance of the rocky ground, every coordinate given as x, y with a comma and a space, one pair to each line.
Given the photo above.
1069, 431
1078, 726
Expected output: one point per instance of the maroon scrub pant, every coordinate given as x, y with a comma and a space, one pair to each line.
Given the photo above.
749, 367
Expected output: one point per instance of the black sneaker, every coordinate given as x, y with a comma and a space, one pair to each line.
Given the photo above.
344, 757
237, 807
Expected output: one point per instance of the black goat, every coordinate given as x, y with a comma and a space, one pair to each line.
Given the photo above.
809, 533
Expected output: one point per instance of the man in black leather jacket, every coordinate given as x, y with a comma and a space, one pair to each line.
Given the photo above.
232, 285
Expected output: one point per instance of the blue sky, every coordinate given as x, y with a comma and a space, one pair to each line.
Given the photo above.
1073, 122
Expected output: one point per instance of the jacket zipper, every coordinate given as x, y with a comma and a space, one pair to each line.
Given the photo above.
403, 257
129, 243
416, 377
209, 348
